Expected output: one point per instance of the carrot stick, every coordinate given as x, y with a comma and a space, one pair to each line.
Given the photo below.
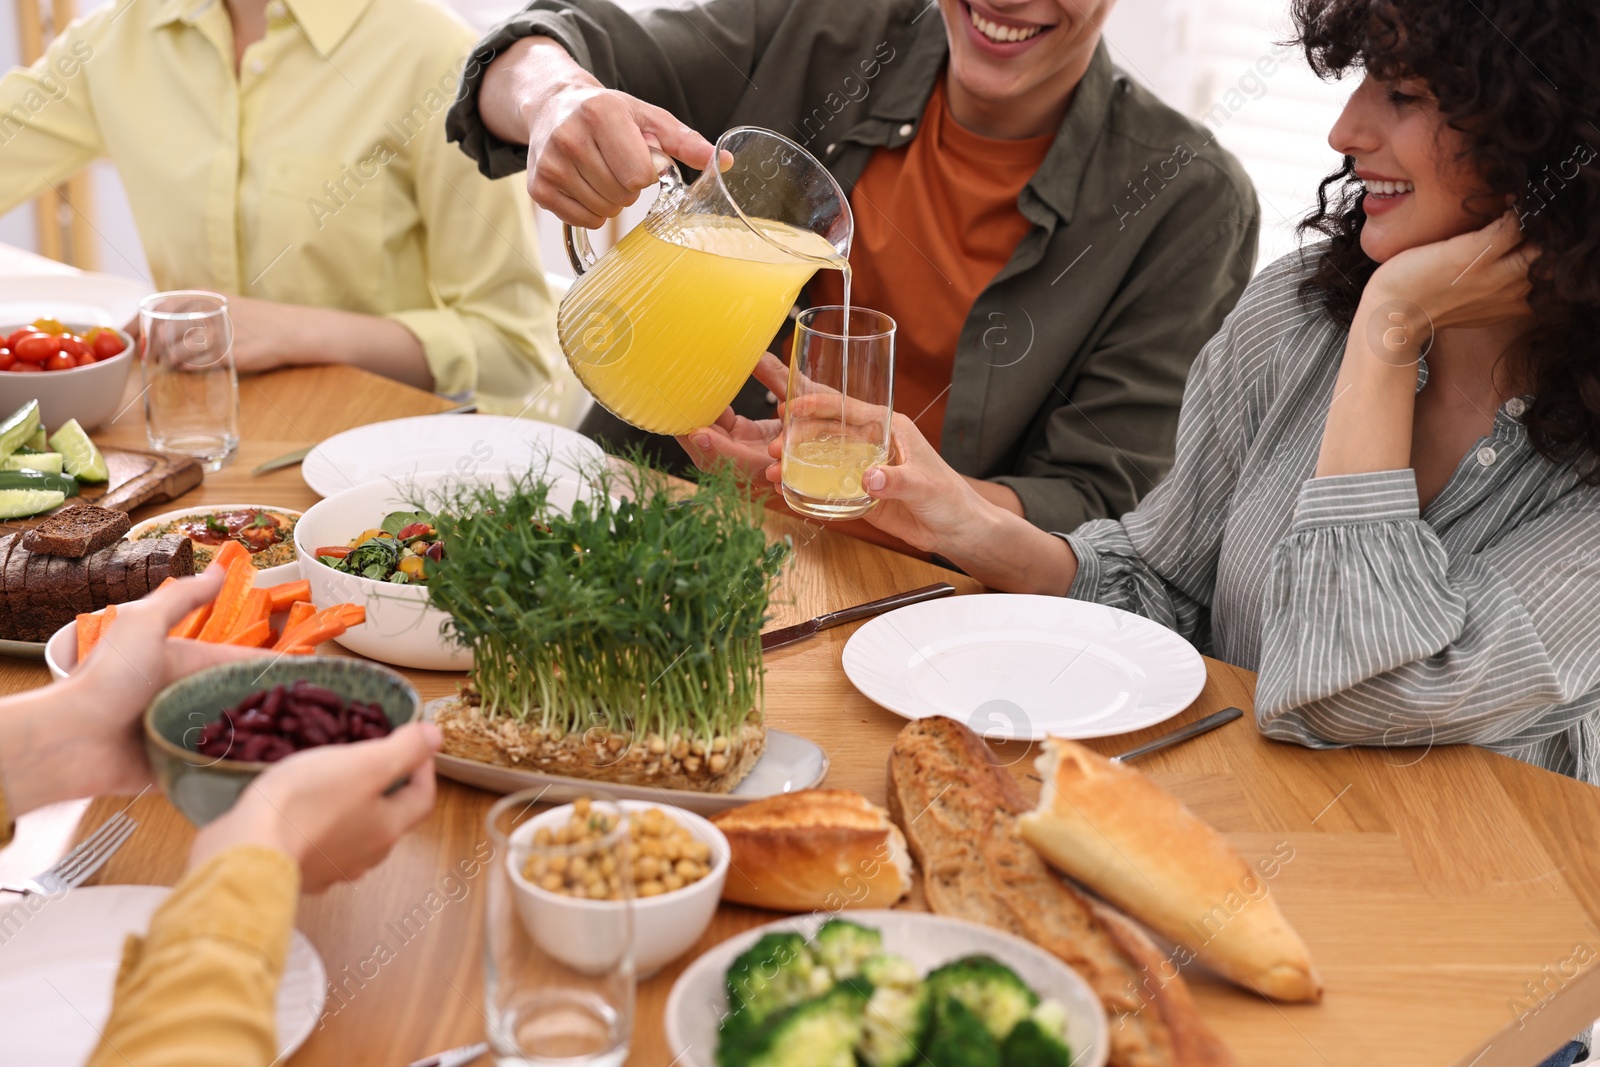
253, 636
88, 632
324, 626
299, 612
301, 650
228, 554
230, 602
106, 618
289, 593
191, 623
257, 608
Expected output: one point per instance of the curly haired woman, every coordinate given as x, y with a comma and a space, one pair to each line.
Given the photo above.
1386, 498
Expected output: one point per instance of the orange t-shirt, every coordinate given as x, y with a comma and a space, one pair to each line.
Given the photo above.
936, 219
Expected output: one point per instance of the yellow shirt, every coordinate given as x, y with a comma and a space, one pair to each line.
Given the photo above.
318, 174
200, 988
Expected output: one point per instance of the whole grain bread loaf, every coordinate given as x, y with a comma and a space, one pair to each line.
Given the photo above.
959, 810
77, 531
42, 593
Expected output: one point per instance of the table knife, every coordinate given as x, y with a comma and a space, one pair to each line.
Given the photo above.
289, 459
455, 1057
1194, 729
788, 635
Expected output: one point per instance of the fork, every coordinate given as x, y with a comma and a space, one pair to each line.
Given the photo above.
73, 869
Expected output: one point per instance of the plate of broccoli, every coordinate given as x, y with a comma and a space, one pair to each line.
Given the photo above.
883, 989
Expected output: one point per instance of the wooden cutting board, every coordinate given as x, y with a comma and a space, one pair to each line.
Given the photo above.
137, 478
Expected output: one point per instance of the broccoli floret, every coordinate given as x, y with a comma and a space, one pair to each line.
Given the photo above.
776, 972
989, 989
841, 945
1040, 1040
891, 971
821, 1032
898, 1015
958, 1037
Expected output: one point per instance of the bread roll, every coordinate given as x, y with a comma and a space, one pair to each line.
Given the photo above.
818, 849
1110, 828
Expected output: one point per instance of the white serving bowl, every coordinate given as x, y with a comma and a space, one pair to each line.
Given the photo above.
283, 572
401, 627
89, 394
664, 927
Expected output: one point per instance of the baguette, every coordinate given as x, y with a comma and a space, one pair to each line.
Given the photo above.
959, 811
1113, 830
815, 850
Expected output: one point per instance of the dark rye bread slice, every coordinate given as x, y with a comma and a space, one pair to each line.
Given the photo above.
173, 557
16, 590
116, 574
6, 544
97, 563
49, 607
975, 865
77, 531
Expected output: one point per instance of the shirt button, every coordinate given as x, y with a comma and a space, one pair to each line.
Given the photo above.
1516, 406
257, 66
829, 150
1486, 456
906, 130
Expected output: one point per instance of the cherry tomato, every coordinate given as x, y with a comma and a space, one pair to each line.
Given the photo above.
49, 326
19, 367
6, 358
106, 344
36, 348
86, 360
73, 346
60, 361
17, 335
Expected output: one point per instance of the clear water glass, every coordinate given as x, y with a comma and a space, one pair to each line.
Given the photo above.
837, 416
191, 390
560, 976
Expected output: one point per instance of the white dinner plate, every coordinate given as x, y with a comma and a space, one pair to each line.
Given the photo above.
788, 764
86, 298
699, 999
1021, 668
58, 967
468, 444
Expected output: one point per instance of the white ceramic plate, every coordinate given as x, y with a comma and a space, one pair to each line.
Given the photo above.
58, 967
98, 299
461, 444
699, 998
788, 764
283, 572
1016, 667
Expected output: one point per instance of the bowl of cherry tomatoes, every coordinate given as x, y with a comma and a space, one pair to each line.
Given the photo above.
75, 372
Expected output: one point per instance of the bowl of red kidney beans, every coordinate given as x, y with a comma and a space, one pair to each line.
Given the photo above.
208, 735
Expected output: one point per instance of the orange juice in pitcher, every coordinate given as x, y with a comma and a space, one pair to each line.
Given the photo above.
666, 327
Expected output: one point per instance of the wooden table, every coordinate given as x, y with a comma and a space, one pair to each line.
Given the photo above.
1443, 893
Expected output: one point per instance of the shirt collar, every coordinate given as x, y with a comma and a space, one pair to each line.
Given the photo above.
325, 22
1057, 180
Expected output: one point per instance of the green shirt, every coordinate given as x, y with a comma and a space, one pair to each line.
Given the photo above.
1071, 364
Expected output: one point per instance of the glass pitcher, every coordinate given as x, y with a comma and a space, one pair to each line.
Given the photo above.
666, 327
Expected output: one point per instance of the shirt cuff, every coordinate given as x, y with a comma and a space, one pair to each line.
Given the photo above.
1345, 499
464, 126
245, 895
1086, 583
448, 347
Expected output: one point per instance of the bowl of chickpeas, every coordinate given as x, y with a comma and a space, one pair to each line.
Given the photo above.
670, 862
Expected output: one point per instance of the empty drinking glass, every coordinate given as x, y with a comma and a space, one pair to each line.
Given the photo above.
836, 418
191, 392
559, 945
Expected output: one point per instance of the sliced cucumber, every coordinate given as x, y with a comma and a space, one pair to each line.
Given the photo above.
37, 442
82, 460
64, 484
20, 503
18, 427
49, 462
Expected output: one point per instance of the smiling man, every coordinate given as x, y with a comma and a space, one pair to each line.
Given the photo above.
1053, 241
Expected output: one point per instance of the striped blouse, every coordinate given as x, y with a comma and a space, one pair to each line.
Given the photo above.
1369, 622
